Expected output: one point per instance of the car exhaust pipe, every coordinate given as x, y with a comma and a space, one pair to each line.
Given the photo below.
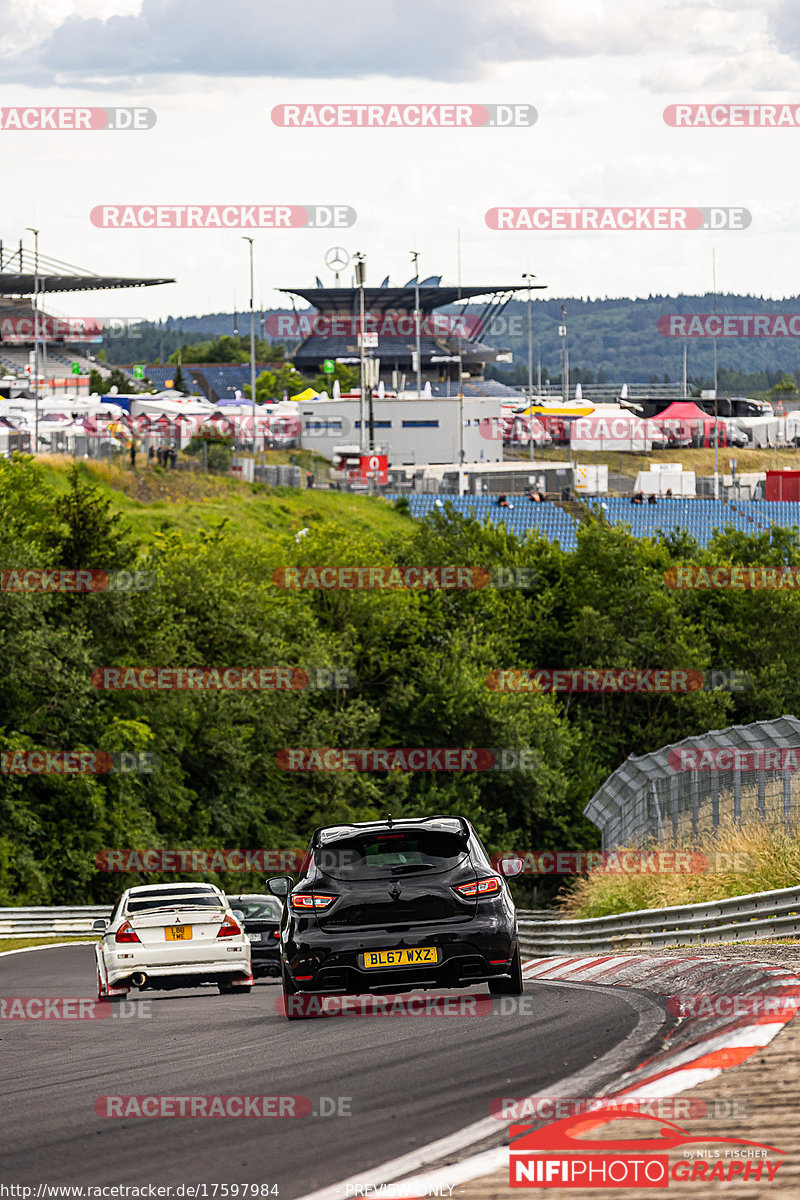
138, 979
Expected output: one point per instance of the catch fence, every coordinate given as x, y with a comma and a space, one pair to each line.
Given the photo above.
694, 787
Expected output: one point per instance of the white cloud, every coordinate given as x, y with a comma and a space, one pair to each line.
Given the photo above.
449, 40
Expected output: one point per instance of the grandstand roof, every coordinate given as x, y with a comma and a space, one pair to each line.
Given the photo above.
40, 273
388, 299
26, 285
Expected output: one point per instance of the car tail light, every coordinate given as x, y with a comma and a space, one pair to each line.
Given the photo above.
126, 933
277, 933
306, 901
229, 927
481, 887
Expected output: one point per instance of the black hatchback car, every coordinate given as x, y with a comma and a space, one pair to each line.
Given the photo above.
392, 906
261, 918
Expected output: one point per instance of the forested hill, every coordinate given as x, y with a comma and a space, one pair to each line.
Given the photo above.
614, 340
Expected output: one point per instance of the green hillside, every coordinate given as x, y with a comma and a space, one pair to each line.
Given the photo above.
419, 660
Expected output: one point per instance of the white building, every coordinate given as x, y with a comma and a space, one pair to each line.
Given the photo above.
412, 431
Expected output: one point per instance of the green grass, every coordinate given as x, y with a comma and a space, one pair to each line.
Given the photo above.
19, 943
741, 860
152, 500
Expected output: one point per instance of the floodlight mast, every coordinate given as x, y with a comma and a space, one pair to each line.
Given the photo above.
361, 271
530, 278
415, 258
252, 346
35, 233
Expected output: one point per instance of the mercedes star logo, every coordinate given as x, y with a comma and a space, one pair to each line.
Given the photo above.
336, 258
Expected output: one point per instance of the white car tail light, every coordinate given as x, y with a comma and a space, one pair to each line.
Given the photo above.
126, 933
229, 927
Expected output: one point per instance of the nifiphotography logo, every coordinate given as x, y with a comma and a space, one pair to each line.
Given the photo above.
558, 1156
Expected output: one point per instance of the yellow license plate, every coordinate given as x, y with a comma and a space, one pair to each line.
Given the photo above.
178, 933
420, 956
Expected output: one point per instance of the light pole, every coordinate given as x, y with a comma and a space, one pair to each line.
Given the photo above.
529, 277
252, 346
361, 270
414, 258
716, 419
562, 329
35, 233
460, 386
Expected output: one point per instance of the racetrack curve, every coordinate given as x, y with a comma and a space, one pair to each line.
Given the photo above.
410, 1080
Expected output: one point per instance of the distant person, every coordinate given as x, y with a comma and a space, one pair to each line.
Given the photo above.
668, 493
150, 454
637, 498
651, 499
502, 502
309, 479
132, 453
173, 455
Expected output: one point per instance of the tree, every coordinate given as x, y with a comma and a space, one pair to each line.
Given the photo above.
116, 378
90, 534
271, 385
349, 378
179, 380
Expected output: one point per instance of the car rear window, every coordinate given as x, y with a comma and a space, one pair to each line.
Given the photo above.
142, 902
257, 908
379, 855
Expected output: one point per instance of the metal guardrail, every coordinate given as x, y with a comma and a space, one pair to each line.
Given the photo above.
44, 922
741, 918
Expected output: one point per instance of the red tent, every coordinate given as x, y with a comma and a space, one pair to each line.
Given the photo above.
687, 419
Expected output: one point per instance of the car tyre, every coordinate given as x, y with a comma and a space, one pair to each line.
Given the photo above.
103, 996
511, 984
290, 989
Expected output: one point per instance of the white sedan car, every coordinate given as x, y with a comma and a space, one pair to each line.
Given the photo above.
172, 935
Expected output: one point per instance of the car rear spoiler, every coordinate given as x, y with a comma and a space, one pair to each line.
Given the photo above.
364, 826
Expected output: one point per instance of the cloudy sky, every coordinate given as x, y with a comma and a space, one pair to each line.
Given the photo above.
599, 75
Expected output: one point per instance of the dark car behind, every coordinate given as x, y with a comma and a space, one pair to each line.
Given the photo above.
261, 918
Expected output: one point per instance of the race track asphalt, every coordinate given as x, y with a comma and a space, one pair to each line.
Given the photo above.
407, 1081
